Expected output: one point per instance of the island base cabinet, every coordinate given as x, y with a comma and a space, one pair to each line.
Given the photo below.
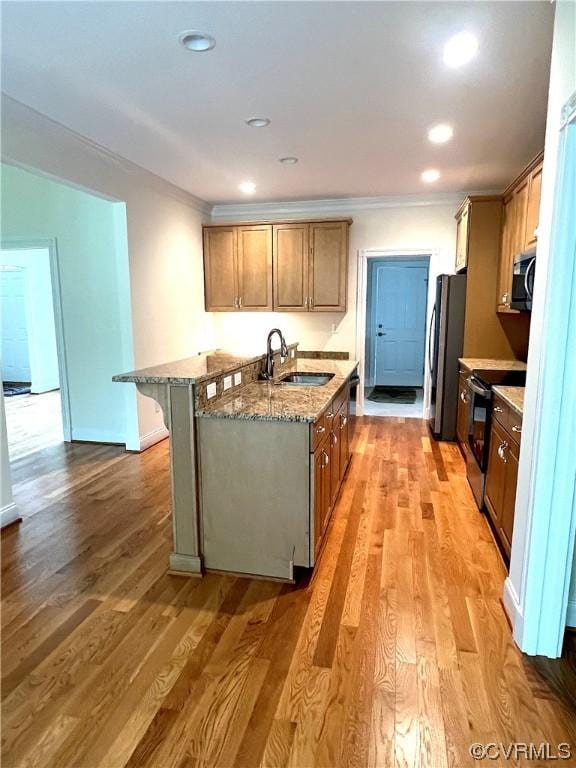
255, 496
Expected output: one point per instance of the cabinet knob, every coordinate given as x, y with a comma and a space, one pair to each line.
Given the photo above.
320, 429
505, 298
239, 302
306, 301
515, 428
497, 409
463, 396
334, 439
326, 459
343, 422
501, 448
329, 415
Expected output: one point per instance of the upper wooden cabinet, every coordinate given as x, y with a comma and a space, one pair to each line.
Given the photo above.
238, 268
519, 226
327, 266
462, 230
289, 267
220, 273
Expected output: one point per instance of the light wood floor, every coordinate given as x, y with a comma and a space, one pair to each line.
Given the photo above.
396, 652
34, 422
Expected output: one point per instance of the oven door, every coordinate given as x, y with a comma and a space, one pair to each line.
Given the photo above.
479, 421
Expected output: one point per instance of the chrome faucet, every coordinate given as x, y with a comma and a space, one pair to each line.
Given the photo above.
268, 372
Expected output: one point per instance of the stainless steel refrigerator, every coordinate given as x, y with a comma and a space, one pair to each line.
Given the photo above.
445, 342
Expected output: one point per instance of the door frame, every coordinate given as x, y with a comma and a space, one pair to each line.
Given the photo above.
398, 254
50, 244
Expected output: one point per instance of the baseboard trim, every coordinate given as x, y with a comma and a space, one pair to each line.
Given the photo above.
571, 614
151, 438
94, 436
185, 564
513, 609
9, 515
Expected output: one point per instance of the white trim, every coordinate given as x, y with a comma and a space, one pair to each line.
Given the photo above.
38, 119
328, 207
8, 515
98, 436
50, 244
512, 606
149, 439
361, 296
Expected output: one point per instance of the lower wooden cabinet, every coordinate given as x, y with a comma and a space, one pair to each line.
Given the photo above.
502, 472
331, 443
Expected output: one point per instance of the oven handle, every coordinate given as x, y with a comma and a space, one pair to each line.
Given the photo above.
479, 389
527, 276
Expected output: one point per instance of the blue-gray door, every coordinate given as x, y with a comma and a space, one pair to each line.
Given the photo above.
399, 293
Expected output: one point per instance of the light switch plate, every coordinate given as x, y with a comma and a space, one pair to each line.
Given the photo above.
237, 378
292, 353
227, 382
211, 390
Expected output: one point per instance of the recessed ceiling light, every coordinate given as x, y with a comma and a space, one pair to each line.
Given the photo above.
289, 160
441, 133
197, 41
257, 122
430, 175
248, 187
460, 49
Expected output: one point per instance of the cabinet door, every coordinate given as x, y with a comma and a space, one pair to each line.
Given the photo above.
495, 474
509, 495
255, 268
220, 285
519, 221
504, 295
533, 208
344, 440
335, 458
463, 409
320, 468
462, 228
328, 266
290, 267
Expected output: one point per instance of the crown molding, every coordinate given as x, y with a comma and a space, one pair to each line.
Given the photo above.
36, 119
331, 206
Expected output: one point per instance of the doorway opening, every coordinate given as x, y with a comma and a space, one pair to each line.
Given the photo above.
34, 379
395, 336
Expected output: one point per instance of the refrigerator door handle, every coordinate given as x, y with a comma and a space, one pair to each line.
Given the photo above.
432, 319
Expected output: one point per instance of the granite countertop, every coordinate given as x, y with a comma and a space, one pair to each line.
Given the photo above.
270, 401
488, 364
512, 396
190, 370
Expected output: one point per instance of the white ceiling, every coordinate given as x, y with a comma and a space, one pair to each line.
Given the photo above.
350, 87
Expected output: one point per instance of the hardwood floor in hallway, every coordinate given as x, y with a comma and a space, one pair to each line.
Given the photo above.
395, 652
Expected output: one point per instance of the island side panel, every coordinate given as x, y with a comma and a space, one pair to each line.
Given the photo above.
255, 491
185, 516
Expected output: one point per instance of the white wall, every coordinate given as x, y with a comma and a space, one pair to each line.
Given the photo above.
40, 315
164, 239
429, 228
562, 86
8, 511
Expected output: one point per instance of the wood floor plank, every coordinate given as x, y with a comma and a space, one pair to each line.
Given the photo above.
394, 652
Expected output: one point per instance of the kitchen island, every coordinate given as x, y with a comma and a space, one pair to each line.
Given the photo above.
255, 465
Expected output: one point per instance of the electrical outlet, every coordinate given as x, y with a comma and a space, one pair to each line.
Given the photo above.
237, 378
292, 353
227, 382
211, 390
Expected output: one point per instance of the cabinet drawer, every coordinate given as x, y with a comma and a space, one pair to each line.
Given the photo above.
514, 425
500, 412
318, 432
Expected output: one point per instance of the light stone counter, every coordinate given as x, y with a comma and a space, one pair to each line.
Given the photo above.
488, 364
274, 401
512, 396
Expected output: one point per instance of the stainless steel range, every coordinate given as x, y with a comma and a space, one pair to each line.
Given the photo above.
480, 385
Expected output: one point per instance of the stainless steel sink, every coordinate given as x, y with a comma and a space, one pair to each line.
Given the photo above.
306, 379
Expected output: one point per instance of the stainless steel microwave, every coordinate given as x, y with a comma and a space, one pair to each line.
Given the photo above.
523, 281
